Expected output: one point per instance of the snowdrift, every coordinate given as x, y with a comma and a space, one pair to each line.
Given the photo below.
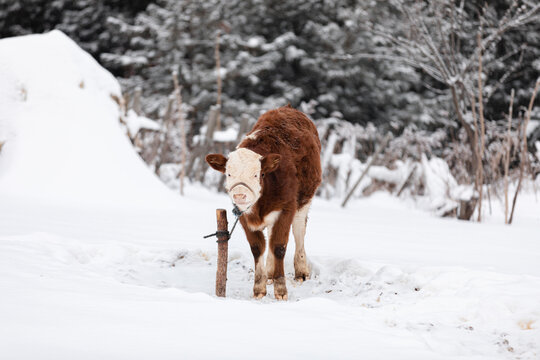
60, 127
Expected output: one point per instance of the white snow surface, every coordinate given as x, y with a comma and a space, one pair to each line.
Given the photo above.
98, 260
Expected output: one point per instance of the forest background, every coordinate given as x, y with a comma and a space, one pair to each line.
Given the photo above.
444, 89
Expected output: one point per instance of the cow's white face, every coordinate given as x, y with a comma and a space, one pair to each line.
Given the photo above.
244, 170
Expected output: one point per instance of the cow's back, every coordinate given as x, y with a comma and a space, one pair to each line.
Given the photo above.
290, 133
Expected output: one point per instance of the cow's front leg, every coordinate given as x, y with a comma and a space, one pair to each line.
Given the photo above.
257, 243
278, 246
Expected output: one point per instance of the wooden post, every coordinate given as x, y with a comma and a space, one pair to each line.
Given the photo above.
223, 249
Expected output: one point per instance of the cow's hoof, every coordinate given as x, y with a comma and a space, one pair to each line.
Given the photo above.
259, 295
259, 288
280, 288
301, 277
259, 291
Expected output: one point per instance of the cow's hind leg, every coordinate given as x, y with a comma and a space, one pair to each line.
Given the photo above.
301, 268
257, 243
278, 245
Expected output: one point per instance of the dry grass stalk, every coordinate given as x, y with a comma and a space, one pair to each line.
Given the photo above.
507, 157
481, 149
524, 150
182, 121
477, 161
218, 74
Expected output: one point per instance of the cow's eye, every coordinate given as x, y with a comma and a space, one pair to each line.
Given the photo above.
228, 174
262, 175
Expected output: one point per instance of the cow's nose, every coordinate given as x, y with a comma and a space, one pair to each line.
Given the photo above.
239, 197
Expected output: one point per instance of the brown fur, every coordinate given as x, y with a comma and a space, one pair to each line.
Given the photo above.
291, 172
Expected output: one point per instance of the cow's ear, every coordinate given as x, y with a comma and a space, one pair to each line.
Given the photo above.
217, 161
270, 163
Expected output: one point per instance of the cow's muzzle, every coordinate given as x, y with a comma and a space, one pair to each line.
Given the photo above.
241, 194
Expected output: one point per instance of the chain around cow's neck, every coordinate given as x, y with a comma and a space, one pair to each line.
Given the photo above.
237, 213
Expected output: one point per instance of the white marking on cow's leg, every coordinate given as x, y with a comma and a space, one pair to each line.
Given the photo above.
269, 258
259, 288
301, 268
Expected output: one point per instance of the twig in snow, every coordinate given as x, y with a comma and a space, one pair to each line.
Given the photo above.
373, 158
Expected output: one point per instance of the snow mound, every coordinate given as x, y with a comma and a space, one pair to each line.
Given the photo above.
60, 127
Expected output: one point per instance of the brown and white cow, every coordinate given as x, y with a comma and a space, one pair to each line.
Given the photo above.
272, 176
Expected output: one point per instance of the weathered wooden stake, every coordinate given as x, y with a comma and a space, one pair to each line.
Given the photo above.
223, 249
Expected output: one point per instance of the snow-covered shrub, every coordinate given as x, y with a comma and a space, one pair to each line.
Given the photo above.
457, 154
413, 143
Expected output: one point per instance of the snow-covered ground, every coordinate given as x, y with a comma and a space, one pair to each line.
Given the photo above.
98, 260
